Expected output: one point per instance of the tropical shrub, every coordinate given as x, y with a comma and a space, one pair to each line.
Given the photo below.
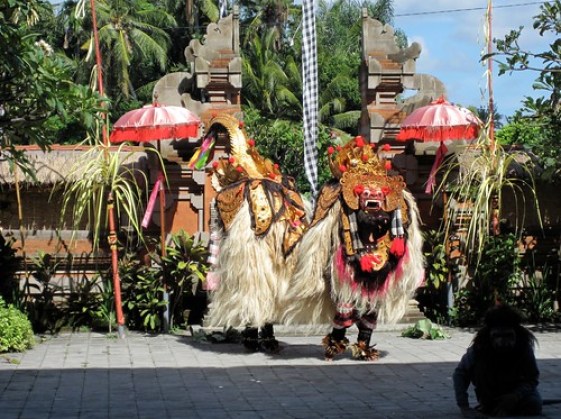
142, 294
283, 142
491, 280
537, 291
16, 333
101, 310
185, 268
432, 296
480, 177
85, 303
39, 295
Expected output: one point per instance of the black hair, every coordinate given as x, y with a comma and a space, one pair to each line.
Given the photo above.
503, 316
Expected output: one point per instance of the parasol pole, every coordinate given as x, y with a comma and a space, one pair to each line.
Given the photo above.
112, 239
162, 217
162, 197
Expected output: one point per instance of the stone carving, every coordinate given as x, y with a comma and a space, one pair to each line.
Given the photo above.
386, 72
215, 80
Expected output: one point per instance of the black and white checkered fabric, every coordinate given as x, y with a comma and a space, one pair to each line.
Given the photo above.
353, 225
223, 7
397, 229
310, 93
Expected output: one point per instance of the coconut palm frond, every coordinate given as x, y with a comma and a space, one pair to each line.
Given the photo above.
346, 119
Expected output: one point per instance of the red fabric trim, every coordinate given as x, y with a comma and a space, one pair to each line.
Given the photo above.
463, 132
145, 134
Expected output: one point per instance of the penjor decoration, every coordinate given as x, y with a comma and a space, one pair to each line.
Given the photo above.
360, 259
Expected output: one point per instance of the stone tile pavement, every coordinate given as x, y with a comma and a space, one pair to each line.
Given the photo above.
89, 375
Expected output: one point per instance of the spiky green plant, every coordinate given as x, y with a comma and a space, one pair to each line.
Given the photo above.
101, 175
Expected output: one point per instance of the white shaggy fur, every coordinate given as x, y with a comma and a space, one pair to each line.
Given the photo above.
315, 287
254, 275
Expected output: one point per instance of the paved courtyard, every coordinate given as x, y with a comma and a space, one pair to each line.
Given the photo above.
90, 375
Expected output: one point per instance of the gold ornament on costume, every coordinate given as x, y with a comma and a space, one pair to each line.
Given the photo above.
329, 194
356, 156
245, 162
248, 175
357, 163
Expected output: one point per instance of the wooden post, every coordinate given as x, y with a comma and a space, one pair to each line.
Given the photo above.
111, 211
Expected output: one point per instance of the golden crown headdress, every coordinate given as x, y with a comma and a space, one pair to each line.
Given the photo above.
356, 165
356, 156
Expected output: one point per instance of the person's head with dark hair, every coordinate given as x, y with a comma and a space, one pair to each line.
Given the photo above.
502, 331
502, 315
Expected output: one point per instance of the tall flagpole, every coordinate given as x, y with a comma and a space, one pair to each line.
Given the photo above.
112, 239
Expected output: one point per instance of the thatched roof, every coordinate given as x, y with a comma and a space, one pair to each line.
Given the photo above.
56, 165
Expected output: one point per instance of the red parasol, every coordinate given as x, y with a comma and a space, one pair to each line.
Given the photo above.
155, 122
439, 121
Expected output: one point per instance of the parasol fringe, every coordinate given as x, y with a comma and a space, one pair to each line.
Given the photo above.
438, 133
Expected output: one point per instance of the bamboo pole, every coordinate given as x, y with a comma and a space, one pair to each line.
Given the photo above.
490, 74
495, 204
110, 208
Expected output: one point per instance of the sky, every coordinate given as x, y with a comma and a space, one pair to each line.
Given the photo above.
453, 40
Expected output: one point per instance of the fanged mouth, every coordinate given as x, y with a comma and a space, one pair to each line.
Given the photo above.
372, 205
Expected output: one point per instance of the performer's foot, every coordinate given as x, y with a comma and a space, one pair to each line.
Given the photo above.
362, 352
267, 341
269, 344
249, 339
334, 347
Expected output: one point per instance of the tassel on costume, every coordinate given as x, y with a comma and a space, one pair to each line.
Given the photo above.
398, 247
368, 262
199, 159
362, 352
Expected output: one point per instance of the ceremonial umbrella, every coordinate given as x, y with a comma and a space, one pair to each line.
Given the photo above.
439, 121
155, 123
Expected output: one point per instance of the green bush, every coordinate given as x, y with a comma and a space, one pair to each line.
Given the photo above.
16, 334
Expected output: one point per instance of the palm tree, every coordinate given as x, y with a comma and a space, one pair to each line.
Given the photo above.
272, 70
483, 114
339, 29
282, 17
132, 34
269, 83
